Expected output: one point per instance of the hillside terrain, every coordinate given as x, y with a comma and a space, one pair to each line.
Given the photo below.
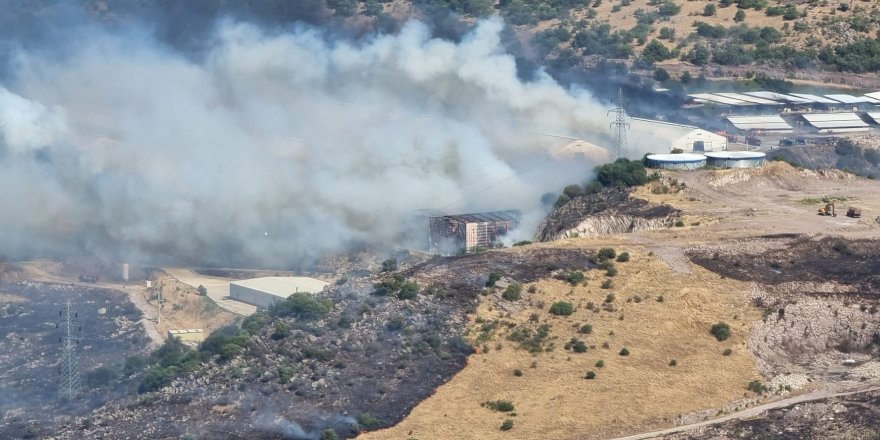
747, 301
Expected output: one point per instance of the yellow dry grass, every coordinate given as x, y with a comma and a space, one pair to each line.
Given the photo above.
184, 308
630, 394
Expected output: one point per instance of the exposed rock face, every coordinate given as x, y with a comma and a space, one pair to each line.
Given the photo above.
609, 212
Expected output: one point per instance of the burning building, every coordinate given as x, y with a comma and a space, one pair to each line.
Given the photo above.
452, 234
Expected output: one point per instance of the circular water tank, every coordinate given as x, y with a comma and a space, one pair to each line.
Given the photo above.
735, 159
684, 161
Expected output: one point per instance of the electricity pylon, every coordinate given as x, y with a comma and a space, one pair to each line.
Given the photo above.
620, 148
70, 384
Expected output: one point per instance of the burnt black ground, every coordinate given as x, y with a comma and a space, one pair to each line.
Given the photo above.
30, 349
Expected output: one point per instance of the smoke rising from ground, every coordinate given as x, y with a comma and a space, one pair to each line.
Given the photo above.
273, 145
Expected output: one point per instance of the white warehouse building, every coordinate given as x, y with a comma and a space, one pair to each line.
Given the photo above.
649, 136
263, 292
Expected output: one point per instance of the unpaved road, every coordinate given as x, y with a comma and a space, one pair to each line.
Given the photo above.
751, 412
136, 294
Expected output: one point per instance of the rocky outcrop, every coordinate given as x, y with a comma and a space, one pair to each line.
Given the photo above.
608, 212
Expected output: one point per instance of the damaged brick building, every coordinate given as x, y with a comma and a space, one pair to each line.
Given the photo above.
454, 234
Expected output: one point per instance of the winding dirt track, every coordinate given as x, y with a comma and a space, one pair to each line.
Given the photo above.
751, 412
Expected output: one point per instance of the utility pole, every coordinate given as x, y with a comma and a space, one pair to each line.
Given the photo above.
620, 148
71, 383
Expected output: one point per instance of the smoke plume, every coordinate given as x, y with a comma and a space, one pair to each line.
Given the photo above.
273, 144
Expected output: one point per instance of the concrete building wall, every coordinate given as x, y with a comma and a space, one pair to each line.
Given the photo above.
253, 296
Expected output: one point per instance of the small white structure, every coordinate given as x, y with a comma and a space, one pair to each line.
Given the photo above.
188, 334
263, 292
582, 149
649, 136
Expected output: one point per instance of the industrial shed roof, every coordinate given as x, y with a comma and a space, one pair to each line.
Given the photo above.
748, 98
719, 99
850, 99
282, 286
769, 122
779, 97
486, 217
875, 116
835, 120
815, 98
873, 95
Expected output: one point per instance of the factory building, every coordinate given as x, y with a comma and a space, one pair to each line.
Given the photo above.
263, 292
829, 123
649, 136
761, 124
454, 234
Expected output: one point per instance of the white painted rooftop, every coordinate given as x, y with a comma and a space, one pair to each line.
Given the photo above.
815, 98
768, 122
749, 98
850, 99
720, 99
735, 155
683, 157
779, 97
283, 286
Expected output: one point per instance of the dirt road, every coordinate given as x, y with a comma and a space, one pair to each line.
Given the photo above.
751, 412
37, 271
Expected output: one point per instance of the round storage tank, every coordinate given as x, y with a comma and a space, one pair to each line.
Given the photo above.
676, 161
735, 159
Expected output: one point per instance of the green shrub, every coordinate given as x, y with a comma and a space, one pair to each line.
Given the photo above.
579, 347
607, 284
203, 291
329, 434
562, 308
679, 224
102, 376
611, 271
517, 372
493, 278
606, 253
622, 172
513, 292
600, 364
727, 352
609, 298
369, 421
576, 277
389, 265
673, 363
721, 331
624, 352
756, 386
586, 329
499, 405
507, 425
590, 375
302, 306
408, 290
623, 257
522, 243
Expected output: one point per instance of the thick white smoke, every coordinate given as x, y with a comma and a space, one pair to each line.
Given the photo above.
273, 145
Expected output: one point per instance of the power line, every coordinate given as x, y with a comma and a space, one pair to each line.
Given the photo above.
619, 126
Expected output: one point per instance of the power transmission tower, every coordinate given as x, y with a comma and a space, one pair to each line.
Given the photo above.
620, 148
70, 381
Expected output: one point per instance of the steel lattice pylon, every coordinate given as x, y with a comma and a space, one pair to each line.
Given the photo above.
70, 384
620, 148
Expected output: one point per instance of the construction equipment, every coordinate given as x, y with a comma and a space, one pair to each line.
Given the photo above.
828, 210
854, 212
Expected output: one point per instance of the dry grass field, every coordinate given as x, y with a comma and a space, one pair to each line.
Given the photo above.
630, 393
